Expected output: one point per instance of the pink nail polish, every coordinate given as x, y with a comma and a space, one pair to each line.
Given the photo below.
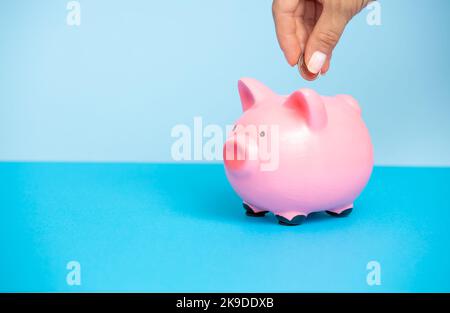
316, 62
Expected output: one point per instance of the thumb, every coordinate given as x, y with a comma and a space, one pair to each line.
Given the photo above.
324, 37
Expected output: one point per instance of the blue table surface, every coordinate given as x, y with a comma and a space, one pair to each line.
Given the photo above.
180, 228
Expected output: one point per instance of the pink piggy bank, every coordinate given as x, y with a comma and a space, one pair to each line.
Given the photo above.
297, 154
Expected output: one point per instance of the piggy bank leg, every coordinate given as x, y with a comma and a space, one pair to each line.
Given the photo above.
290, 218
342, 212
252, 211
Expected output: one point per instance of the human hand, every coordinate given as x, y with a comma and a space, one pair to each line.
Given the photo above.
308, 30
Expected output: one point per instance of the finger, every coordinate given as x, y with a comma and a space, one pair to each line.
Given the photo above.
309, 17
307, 22
285, 26
319, 8
306, 74
326, 66
325, 35
302, 33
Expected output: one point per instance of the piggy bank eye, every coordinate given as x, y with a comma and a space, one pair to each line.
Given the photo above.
262, 134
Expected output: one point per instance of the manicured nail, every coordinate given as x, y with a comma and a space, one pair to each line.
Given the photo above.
316, 62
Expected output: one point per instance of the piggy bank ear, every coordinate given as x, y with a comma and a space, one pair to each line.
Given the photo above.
310, 105
251, 92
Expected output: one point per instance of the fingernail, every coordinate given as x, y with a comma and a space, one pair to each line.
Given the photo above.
316, 62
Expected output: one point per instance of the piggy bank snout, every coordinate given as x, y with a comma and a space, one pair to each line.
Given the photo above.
239, 154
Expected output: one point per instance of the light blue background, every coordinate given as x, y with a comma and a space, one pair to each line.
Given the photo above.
113, 88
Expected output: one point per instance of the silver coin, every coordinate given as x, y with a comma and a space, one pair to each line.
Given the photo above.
300, 63
303, 69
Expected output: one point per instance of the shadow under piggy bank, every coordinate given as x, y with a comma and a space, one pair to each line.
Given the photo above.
203, 191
